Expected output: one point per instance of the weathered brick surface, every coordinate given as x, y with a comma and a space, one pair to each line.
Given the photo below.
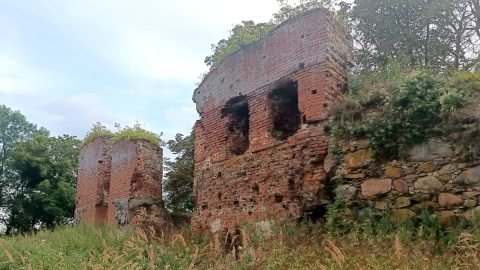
120, 183
93, 183
278, 175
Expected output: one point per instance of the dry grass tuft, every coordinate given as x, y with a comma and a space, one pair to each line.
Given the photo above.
335, 252
290, 246
398, 247
9, 256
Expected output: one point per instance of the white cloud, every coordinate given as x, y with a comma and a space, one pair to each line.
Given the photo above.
145, 54
153, 49
73, 115
19, 77
151, 39
180, 120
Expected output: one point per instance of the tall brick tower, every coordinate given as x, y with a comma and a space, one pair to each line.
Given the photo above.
260, 144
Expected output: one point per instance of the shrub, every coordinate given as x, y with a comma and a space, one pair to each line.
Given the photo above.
394, 112
466, 82
135, 133
402, 119
96, 131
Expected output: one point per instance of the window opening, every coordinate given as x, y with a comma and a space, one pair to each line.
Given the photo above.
238, 123
285, 113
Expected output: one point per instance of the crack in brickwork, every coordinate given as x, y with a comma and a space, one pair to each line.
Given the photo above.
288, 80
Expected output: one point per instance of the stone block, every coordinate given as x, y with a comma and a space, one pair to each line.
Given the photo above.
393, 172
373, 187
408, 170
357, 160
447, 219
421, 197
400, 186
401, 202
470, 194
428, 184
449, 200
470, 177
469, 203
428, 207
401, 216
428, 151
448, 169
354, 176
426, 168
330, 164
345, 192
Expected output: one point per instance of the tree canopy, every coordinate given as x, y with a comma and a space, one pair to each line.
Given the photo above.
440, 36
38, 175
437, 35
178, 181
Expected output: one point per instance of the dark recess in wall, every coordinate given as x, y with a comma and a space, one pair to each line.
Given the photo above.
238, 123
284, 108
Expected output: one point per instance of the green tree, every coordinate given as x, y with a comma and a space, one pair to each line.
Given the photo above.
178, 182
248, 32
241, 35
288, 11
438, 35
13, 128
38, 175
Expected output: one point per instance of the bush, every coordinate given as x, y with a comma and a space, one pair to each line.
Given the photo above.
97, 131
134, 133
396, 112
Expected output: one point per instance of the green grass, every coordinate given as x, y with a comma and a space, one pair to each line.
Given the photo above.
286, 246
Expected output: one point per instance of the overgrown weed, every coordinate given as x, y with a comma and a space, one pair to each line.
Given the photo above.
289, 245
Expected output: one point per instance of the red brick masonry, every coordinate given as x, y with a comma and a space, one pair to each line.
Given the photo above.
120, 183
260, 144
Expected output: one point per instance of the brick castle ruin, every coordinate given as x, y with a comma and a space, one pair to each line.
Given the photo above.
261, 151
260, 145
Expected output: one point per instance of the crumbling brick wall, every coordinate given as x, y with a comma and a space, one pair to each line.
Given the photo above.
260, 144
120, 183
93, 182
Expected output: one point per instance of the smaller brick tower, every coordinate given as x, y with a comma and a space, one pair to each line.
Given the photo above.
120, 183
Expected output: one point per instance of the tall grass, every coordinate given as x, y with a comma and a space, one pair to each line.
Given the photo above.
285, 246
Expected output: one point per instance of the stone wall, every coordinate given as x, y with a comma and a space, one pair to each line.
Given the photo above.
440, 176
120, 183
260, 145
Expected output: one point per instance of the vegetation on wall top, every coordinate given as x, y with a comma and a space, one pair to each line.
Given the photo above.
96, 131
128, 133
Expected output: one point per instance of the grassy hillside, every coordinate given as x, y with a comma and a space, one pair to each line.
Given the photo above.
285, 246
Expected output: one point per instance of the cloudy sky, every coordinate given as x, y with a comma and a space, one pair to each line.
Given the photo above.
67, 64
